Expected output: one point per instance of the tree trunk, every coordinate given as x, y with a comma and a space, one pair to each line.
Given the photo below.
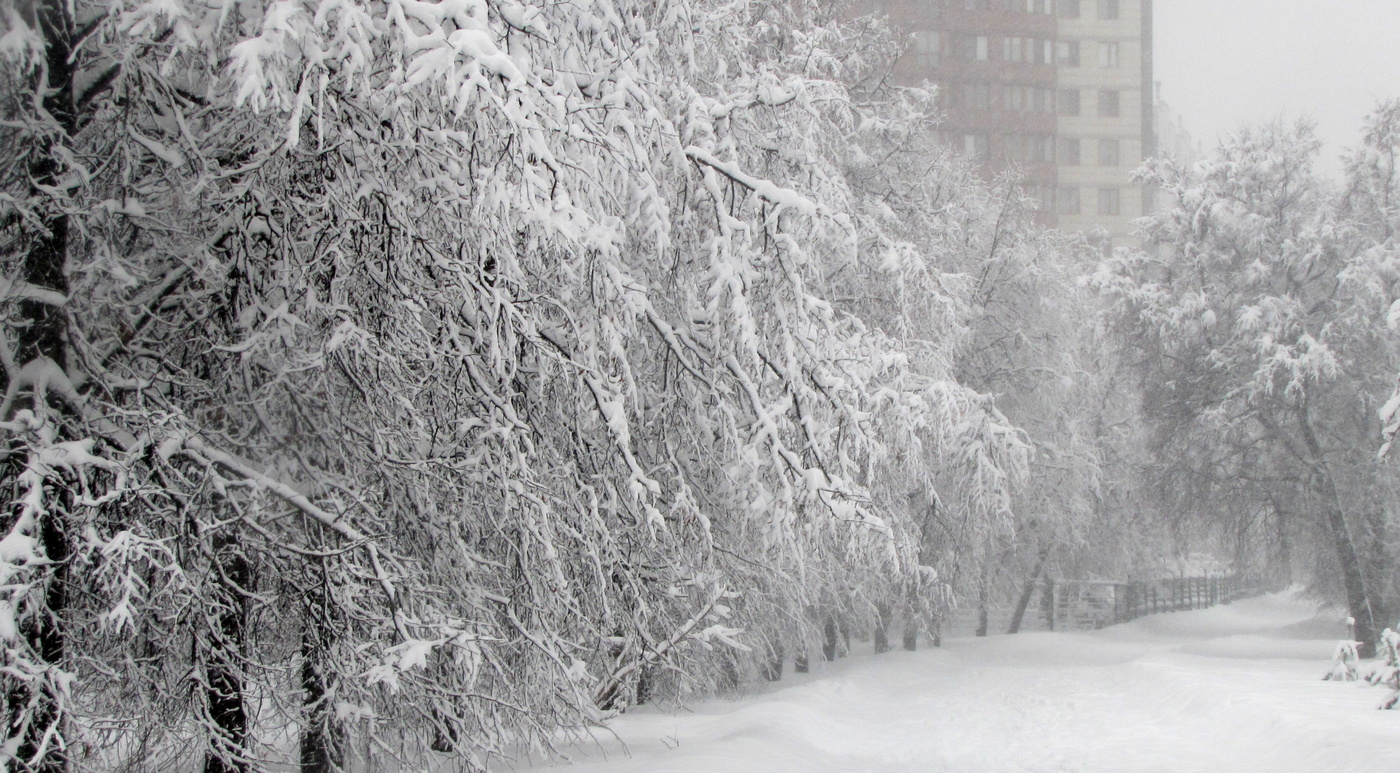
34, 707
227, 713
646, 681
1027, 591
829, 634
911, 621
882, 626
1380, 566
728, 672
1361, 604
911, 636
773, 668
982, 604
322, 736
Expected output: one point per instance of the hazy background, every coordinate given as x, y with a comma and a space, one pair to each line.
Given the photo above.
1224, 63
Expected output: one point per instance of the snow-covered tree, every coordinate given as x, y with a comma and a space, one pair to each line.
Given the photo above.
397, 378
1255, 304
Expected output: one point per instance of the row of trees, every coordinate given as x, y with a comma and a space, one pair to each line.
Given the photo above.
394, 378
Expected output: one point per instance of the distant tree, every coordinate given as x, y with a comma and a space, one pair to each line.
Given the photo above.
1254, 304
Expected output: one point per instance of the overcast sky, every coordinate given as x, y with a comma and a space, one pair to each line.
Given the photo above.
1225, 63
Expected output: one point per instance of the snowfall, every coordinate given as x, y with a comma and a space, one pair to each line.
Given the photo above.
1233, 689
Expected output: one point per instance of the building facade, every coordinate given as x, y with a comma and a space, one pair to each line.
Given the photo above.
1059, 89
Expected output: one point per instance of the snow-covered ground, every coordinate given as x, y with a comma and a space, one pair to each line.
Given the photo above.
1234, 689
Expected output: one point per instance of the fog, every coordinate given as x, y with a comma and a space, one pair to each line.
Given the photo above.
1224, 64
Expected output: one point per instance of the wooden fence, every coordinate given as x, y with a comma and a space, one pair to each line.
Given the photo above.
1092, 604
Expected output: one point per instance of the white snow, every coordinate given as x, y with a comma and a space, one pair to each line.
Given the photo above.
1230, 689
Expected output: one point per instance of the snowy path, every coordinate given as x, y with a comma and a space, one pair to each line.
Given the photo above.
1227, 690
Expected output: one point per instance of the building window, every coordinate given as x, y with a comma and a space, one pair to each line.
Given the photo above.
1019, 50
1045, 101
1042, 149
1108, 9
1047, 52
977, 96
975, 145
1108, 55
1030, 148
928, 48
1069, 151
1015, 99
1069, 53
1108, 104
1108, 152
1011, 49
1069, 9
974, 49
1069, 101
1069, 201
1108, 201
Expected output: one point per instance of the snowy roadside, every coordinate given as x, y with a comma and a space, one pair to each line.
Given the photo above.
1231, 689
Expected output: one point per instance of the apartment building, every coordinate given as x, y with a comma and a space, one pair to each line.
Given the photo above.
1059, 89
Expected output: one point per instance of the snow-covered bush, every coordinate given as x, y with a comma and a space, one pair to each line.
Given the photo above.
1387, 671
1344, 662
